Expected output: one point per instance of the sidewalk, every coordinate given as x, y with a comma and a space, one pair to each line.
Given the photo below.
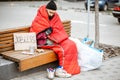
110, 70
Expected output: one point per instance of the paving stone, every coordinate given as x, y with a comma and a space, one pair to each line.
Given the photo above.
110, 70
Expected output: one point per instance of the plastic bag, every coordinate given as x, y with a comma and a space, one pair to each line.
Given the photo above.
89, 58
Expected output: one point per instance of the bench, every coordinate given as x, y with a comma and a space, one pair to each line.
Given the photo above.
26, 62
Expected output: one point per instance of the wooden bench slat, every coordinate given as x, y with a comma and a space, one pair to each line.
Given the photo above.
14, 55
15, 30
6, 42
66, 21
9, 37
11, 33
6, 49
6, 35
67, 29
11, 58
67, 25
6, 38
6, 45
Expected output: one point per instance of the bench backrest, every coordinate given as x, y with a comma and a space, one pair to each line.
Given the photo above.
6, 36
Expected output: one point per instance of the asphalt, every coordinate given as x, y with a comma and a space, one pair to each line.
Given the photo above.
17, 14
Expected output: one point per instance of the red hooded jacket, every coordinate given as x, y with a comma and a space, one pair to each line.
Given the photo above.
63, 47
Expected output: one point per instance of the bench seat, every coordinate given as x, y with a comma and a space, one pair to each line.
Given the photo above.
26, 61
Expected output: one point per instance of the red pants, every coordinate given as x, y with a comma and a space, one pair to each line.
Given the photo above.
67, 55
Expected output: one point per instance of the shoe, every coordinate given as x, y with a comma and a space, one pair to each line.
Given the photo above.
50, 73
60, 72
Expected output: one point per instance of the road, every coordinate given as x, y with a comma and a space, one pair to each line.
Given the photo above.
17, 14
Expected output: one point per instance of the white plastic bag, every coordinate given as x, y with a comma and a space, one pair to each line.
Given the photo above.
89, 58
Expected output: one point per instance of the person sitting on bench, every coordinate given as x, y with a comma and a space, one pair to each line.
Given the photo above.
50, 34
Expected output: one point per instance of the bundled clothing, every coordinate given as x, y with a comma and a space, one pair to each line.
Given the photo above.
62, 45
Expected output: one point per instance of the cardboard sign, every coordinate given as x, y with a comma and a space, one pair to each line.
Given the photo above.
23, 41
